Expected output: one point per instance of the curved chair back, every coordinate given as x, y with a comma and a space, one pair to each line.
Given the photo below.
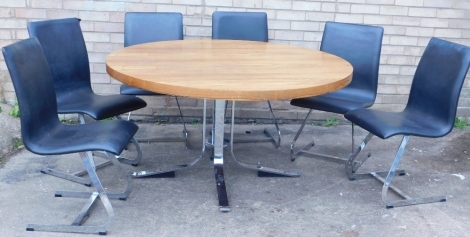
438, 81
360, 45
65, 50
240, 26
145, 27
34, 89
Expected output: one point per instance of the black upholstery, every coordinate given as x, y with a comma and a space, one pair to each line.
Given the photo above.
360, 45
434, 94
64, 46
44, 134
252, 26
146, 27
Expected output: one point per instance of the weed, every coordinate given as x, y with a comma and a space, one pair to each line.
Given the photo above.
107, 119
331, 122
15, 112
17, 143
67, 121
195, 122
461, 123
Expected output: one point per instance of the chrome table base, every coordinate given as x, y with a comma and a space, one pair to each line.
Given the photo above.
218, 149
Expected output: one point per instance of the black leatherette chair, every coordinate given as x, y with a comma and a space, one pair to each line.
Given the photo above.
430, 112
360, 45
65, 50
44, 134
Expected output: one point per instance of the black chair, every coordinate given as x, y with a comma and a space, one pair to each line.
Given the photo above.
64, 46
251, 26
430, 112
145, 27
360, 45
44, 134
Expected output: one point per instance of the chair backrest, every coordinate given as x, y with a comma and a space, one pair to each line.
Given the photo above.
360, 45
64, 46
240, 26
34, 89
145, 27
438, 80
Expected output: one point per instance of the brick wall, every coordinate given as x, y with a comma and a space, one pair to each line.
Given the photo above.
408, 27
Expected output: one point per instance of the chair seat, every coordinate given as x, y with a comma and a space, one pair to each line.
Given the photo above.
130, 90
339, 102
113, 137
98, 106
409, 122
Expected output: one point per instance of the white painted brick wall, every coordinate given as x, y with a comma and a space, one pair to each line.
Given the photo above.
408, 25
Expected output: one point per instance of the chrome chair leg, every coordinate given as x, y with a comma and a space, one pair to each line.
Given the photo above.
169, 172
269, 138
262, 170
293, 154
407, 199
352, 138
171, 139
76, 226
120, 195
352, 167
305, 149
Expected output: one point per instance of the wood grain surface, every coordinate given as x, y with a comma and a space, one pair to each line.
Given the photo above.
229, 69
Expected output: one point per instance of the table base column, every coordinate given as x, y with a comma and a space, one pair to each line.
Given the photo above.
218, 139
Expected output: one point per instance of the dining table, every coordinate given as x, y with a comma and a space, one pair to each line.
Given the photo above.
227, 70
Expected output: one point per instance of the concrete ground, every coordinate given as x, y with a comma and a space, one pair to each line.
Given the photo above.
322, 202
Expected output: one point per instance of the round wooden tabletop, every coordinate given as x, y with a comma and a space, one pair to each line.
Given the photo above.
229, 69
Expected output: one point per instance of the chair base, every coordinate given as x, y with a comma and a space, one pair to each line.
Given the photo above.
351, 168
305, 149
100, 193
270, 137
